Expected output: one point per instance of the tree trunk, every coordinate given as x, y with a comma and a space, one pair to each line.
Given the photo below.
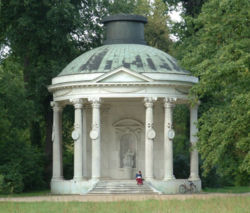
48, 115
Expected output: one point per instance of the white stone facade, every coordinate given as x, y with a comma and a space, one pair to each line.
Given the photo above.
123, 123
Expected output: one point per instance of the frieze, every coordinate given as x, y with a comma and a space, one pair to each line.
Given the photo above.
59, 93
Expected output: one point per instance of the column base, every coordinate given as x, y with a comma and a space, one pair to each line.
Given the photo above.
95, 178
171, 177
57, 178
79, 179
149, 178
194, 178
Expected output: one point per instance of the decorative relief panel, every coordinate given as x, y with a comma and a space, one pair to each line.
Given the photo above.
128, 134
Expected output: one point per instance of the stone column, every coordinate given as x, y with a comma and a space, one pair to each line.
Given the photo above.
57, 167
95, 135
168, 139
194, 159
84, 142
149, 138
77, 137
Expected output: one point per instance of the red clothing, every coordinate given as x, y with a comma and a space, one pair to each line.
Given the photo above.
139, 181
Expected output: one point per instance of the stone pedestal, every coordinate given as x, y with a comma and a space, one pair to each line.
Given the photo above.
128, 173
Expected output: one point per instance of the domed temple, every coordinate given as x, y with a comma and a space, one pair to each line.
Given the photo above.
123, 95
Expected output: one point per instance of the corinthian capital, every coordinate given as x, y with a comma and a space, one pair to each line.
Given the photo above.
169, 102
149, 101
95, 101
57, 107
77, 102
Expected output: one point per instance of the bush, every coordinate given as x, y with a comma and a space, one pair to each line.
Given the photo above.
21, 166
4, 186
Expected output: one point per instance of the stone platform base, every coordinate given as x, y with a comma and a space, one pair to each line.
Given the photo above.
72, 186
85, 186
172, 186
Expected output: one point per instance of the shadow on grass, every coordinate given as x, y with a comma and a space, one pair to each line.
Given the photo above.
44, 192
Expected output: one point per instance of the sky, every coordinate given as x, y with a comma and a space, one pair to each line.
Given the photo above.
175, 17
175, 14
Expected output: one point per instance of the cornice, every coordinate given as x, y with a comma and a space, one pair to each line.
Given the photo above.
56, 87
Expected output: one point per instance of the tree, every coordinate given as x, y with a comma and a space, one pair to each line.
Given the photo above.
191, 8
121, 6
45, 36
21, 164
217, 51
156, 30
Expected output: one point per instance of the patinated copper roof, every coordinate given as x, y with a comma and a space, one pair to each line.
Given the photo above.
136, 57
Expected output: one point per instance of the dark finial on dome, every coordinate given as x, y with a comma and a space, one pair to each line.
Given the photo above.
124, 29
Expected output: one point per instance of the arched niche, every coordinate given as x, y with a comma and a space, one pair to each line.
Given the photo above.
128, 134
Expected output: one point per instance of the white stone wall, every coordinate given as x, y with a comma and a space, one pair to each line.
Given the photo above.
112, 112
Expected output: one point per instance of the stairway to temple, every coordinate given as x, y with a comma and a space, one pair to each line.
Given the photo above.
121, 187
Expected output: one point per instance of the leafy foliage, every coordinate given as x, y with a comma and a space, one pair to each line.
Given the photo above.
156, 30
45, 36
20, 163
181, 141
191, 8
217, 51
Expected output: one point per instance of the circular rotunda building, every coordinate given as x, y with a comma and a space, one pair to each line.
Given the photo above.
123, 93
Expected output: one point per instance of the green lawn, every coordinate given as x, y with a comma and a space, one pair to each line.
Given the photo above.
229, 189
220, 205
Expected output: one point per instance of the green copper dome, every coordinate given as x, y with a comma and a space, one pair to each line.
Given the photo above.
136, 57
124, 47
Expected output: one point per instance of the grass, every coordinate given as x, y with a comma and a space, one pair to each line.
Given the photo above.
229, 189
237, 204
28, 194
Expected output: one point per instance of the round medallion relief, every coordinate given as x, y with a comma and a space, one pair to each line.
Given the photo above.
151, 134
93, 134
171, 134
75, 135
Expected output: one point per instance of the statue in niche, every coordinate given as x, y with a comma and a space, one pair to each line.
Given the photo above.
127, 151
128, 159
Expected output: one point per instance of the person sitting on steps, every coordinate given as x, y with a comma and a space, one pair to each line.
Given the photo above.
139, 179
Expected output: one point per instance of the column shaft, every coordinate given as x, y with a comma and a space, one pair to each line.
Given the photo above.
84, 142
95, 135
57, 168
149, 139
194, 159
168, 143
78, 146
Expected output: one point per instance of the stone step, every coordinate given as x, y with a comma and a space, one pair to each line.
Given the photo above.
128, 188
121, 187
124, 188
120, 192
115, 192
